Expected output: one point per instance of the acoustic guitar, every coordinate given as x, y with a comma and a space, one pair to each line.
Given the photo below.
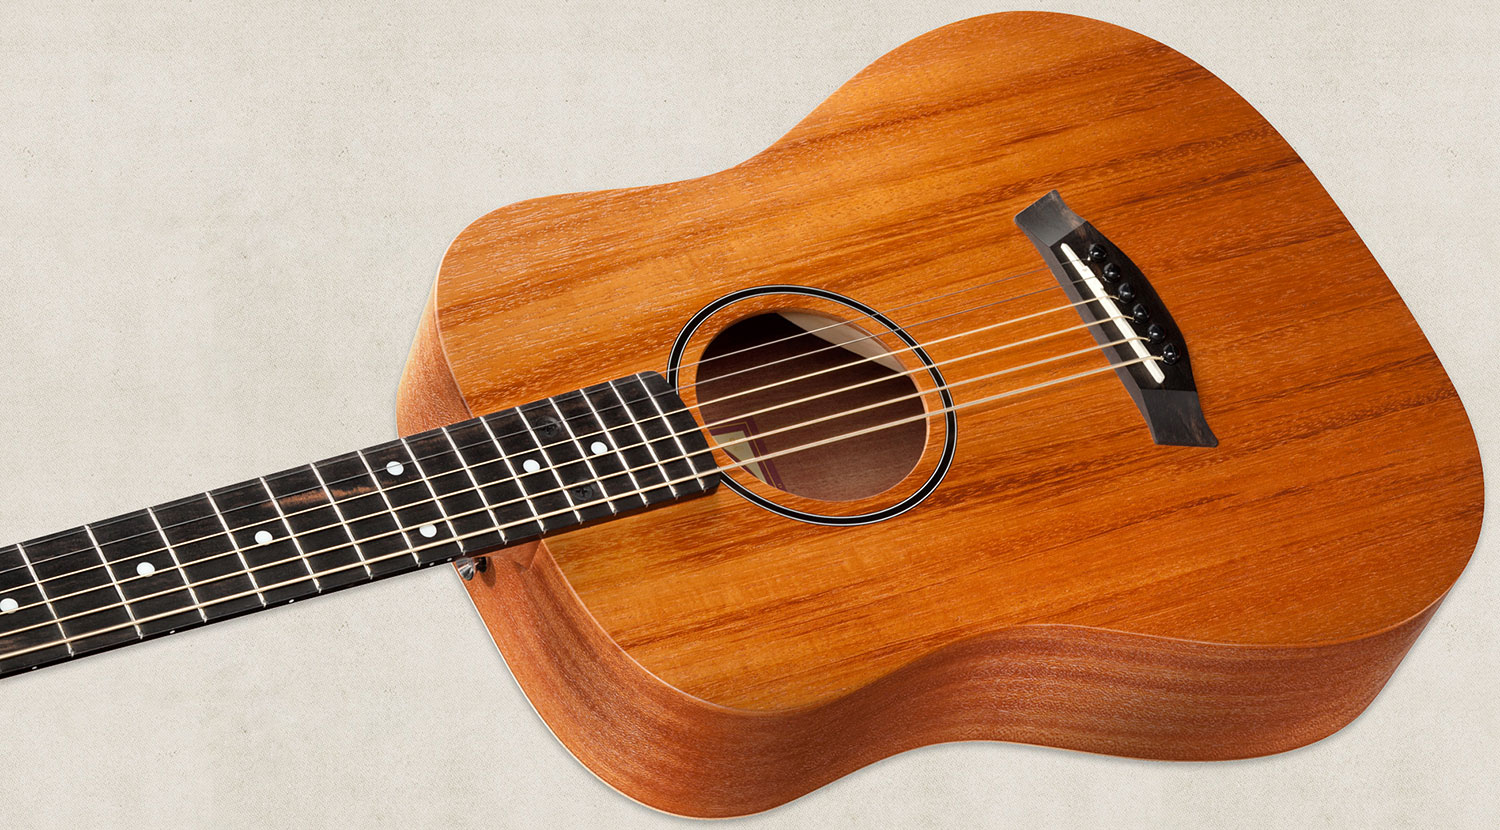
1030, 389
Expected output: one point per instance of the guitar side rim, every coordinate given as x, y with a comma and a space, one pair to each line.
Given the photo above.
681, 754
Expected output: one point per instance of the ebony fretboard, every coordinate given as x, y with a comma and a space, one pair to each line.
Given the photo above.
463, 490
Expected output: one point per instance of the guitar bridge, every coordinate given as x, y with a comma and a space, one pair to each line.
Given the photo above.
1125, 307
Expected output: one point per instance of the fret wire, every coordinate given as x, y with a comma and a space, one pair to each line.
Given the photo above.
294, 535
625, 408
21, 549
283, 583
388, 506
510, 468
645, 443
422, 476
478, 492
1093, 323
177, 565
909, 325
291, 534
582, 452
115, 582
676, 437
620, 451
547, 465
636, 424
343, 520
234, 543
741, 463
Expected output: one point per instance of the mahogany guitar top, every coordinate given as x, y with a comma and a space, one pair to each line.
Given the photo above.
1343, 499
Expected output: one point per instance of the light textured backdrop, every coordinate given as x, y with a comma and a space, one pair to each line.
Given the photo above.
218, 223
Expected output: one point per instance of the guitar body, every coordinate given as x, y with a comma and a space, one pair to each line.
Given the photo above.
1069, 581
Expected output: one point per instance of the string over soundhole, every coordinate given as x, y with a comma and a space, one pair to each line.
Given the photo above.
825, 410
778, 370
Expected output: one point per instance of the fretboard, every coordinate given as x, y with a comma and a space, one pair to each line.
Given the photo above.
430, 498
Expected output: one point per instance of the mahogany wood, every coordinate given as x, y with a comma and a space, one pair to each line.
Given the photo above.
1070, 583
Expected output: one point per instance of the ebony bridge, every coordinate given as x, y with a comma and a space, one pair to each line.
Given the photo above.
1089, 267
430, 498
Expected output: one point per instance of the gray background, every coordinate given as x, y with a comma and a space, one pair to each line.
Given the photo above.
217, 228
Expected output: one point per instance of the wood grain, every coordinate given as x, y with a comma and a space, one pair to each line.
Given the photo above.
1070, 583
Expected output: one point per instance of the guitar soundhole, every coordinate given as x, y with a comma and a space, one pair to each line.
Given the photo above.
770, 385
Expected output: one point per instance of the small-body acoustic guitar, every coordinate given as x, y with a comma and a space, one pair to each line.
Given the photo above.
1030, 389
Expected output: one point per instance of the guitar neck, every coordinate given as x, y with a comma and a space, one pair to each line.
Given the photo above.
459, 491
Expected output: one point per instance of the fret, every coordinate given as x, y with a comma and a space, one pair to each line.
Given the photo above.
468, 469
29, 632
643, 416
501, 490
609, 464
202, 548
290, 534
80, 591
265, 542
566, 460
544, 431
463, 490
471, 519
366, 513
177, 565
406, 532
416, 504
343, 518
114, 579
684, 429
532, 470
155, 589
577, 430
682, 464
317, 528
238, 552
649, 478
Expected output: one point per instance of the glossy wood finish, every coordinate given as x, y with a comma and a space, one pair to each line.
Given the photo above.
1070, 583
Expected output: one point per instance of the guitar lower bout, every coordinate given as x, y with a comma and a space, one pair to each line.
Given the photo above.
1087, 570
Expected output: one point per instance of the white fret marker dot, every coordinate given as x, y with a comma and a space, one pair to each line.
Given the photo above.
428, 530
8, 605
530, 465
263, 537
395, 468
145, 569
598, 448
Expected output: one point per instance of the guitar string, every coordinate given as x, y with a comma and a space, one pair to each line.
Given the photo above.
971, 309
105, 523
69, 639
578, 440
837, 324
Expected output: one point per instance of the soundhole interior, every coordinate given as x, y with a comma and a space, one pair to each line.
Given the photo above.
767, 386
